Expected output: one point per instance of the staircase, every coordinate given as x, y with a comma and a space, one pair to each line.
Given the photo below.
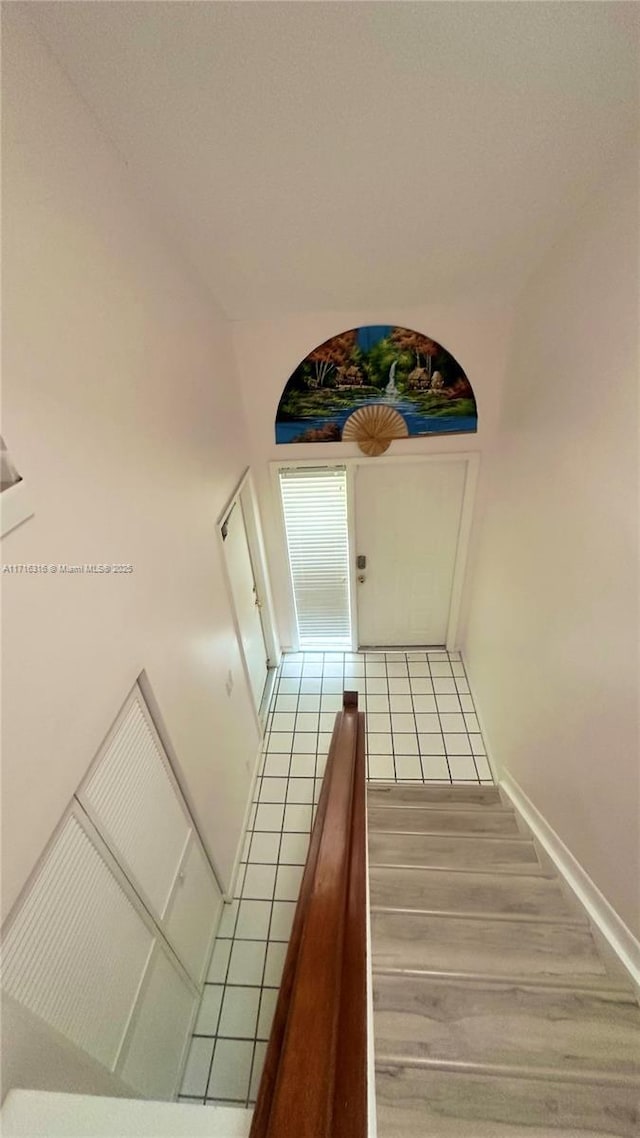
499, 1012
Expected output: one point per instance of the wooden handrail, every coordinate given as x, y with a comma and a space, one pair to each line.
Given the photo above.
314, 1081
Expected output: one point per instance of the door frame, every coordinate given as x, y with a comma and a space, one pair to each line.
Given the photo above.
244, 498
471, 460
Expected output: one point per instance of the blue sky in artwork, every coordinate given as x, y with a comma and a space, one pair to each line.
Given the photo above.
370, 335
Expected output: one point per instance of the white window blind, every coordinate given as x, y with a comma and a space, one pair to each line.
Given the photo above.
315, 513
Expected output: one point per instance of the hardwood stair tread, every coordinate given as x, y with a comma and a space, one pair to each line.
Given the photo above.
608, 985
449, 890
473, 796
417, 1103
416, 941
461, 835
448, 807
451, 850
513, 1025
487, 915
414, 819
539, 1074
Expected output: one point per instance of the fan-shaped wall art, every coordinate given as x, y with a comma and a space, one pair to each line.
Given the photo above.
378, 366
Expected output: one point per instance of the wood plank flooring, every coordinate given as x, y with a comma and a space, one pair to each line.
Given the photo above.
413, 1103
412, 794
412, 819
512, 946
418, 1017
495, 1013
451, 850
444, 889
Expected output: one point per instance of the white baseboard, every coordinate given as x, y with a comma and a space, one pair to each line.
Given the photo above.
622, 941
228, 897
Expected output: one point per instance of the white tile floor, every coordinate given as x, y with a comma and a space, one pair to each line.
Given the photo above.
421, 726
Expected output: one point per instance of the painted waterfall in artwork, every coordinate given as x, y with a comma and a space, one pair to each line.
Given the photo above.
377, 364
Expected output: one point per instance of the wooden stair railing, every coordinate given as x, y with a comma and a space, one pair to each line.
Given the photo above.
314, 1081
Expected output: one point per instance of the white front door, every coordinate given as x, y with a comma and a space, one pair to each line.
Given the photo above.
407, 526
246, 600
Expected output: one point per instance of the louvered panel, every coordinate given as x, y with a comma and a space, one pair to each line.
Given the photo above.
315, 512
77, 950
134, 803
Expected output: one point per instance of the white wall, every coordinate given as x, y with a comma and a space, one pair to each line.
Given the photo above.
121, 410
552, 645
34, 1056
268, 351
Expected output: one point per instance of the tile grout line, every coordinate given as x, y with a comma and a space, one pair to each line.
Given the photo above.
435, 700
393, 750
415, 721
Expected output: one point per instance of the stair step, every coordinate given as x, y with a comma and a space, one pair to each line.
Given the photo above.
452, 850
457, 891
420, 1018
413, 819
613, 984
477, 944
412, 793
415, 1103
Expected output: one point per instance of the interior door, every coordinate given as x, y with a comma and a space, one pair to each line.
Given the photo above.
407, 524
246, 600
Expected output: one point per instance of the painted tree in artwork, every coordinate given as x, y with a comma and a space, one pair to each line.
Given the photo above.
406, 340
334, 353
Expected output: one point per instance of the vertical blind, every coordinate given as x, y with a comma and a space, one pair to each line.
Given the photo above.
315, 513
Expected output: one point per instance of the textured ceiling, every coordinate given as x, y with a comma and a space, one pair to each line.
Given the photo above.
349, 155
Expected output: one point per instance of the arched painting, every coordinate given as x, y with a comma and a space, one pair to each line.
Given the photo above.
378, 364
